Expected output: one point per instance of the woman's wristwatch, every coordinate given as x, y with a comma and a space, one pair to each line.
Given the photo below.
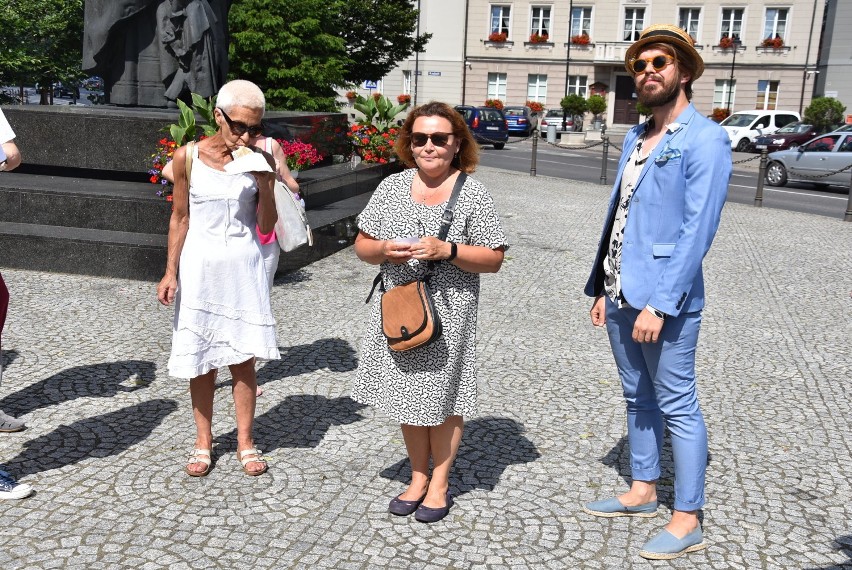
454, 250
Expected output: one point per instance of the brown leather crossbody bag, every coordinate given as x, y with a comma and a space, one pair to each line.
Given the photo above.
409, 317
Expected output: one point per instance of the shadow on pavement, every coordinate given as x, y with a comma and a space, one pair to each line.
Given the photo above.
844, 545
298, 421
99, 436
7, 357
102, 380
335, 354
489, 445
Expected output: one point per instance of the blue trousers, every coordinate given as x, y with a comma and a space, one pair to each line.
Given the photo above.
658, 380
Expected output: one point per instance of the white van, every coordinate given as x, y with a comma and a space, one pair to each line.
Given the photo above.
745, 126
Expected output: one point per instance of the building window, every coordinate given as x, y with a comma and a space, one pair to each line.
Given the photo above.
540, 21
537, 88
732, 23
406, 82
688, 19
581, 22
775, 25
724, 94
500, 19
634, 23
497, 86
578, 84
767, 94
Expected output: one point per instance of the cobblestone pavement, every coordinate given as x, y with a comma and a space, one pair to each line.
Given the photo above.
109, 430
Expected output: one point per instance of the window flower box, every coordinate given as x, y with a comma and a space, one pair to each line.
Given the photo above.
581, 39
498, 37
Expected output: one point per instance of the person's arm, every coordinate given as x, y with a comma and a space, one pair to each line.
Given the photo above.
471, 258
169, 172
283, 170
178, 226
13, 156
377, 251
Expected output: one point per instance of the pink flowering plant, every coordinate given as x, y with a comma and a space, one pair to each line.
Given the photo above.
300, 155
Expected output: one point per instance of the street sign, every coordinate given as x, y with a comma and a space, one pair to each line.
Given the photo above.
435, 73
371, 84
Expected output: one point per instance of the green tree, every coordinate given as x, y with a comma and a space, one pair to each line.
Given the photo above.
289, 50
576, 106
42, 42
378, 33
301, 51
824, 112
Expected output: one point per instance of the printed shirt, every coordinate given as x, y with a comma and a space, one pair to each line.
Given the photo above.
612, 264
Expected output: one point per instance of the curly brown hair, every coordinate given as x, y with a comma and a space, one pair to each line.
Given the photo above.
467, 157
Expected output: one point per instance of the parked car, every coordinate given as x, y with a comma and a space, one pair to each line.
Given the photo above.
826, 153
521, 120
789, 136
554, 116
487, 124
744, 127
843, 129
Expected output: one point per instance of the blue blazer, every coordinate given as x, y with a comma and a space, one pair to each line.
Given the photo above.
673, 217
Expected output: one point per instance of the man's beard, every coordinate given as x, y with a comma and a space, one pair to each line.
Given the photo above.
660, 97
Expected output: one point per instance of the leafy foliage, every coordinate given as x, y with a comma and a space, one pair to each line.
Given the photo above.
378, 33
824, 112
186, 128
378, 110
300, 51
596, 104
42, 42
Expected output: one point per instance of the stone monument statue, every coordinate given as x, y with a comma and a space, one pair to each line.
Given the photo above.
152, 52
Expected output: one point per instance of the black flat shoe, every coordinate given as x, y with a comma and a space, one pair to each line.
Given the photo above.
402, 508
430, 515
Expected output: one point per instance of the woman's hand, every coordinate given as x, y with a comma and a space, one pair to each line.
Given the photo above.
397, 252
430, 248
166, 289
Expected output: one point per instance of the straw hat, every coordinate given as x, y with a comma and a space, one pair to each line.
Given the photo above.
666, 34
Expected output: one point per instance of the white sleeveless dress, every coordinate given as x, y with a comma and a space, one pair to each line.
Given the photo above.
222, 310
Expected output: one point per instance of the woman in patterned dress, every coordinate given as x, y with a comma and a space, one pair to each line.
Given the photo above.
429, 389
215, 273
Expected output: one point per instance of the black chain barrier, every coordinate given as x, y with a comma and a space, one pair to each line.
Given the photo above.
746, 160
826, 175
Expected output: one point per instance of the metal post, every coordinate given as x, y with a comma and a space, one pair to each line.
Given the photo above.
534, 151
848, 216
605, 154
731, 81
761, 175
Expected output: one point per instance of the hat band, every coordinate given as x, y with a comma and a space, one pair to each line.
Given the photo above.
664, 33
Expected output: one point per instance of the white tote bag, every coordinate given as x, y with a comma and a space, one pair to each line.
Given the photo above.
291, 229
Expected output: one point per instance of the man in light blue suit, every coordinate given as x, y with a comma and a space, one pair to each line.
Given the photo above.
648, 283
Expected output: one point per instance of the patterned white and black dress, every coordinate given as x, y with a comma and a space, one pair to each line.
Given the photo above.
426, 385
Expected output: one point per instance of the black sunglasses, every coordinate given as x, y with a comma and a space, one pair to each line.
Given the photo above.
239, 128
438, 139
658, 63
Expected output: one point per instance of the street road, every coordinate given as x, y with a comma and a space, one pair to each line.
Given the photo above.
585, 165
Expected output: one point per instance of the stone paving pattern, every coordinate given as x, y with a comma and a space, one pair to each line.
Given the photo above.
109, 430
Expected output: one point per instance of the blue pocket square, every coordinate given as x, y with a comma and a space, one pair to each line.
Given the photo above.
667, 155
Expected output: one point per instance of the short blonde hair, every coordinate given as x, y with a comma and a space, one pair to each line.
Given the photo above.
240, 93
468, 155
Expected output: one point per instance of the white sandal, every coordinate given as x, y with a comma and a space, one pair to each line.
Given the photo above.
245, 460
198, 456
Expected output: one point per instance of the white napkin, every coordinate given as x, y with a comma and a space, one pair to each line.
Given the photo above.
254, 162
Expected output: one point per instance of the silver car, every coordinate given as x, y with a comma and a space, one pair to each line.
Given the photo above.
813, 161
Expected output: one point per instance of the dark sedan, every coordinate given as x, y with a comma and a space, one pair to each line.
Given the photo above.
789, 136
486, 124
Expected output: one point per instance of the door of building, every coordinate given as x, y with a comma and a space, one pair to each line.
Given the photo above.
625, 112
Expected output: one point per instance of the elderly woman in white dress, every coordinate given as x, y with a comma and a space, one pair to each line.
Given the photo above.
429, 389
215, 273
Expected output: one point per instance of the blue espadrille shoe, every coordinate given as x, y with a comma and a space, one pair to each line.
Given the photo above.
666, 546
613, 508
